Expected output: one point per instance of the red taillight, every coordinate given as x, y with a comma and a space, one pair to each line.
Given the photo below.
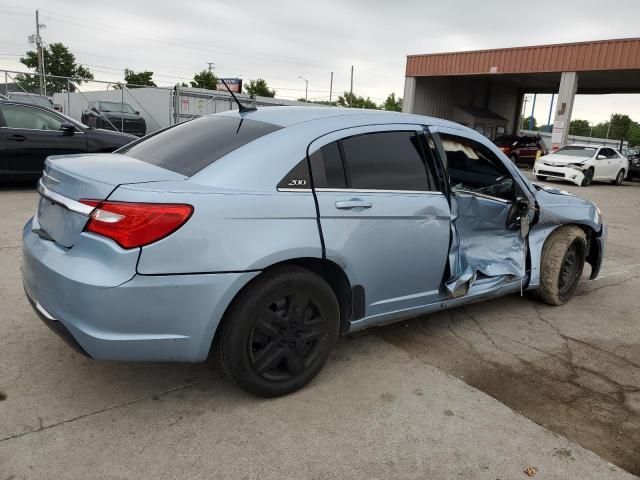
136, 224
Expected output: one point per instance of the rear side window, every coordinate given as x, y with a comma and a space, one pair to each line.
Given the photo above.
189, 147
326, 165
385, 161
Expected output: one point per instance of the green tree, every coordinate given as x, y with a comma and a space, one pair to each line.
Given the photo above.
58, 60
579, 127
137, 80
259, 88
620, 125
351, 100
318, 102
392, 103
205, 79
524, 123
634, 134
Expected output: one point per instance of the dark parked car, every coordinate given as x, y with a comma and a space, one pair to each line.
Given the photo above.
115, 116
30, 133
634, 165
521, 149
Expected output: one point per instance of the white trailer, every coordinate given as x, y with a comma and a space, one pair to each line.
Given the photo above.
161, 106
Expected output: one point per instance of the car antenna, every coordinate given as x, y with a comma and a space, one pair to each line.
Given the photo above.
241, 108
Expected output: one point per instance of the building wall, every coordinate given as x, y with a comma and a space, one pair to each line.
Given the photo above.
504, 100
436, 97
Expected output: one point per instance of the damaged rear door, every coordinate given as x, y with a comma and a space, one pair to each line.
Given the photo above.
491, 209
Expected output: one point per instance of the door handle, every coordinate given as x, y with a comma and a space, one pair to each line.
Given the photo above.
17, 138
355, 203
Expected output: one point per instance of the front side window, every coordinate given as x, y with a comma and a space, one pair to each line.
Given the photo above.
385, 161
473, 167
19, 116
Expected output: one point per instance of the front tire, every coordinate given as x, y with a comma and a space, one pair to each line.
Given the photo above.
279, 332
619, 178
563, 257
588, 178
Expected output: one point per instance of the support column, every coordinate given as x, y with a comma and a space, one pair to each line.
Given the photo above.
564, 108
408, 100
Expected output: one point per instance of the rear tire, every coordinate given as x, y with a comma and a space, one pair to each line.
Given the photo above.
588, 178
279, 332
619, 178
562, 263
542, 178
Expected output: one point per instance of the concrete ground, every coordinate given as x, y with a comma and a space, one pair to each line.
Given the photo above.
483, 391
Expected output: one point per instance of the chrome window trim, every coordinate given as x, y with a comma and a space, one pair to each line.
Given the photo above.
483, 195
361, 190
374, 190
68, 203
39, 129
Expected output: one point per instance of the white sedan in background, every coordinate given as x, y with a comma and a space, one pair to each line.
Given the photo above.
581, 164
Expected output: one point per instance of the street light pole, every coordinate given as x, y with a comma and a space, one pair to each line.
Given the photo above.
43, 85
306, 88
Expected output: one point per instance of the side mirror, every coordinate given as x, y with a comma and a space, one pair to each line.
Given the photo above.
137, 112
67, 128
601, 157
519, 207
94, 109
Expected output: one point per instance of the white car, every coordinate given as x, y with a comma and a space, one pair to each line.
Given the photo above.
580, 164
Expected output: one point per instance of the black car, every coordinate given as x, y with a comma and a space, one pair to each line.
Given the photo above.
30, 133
118, 116
634, 165
521, 149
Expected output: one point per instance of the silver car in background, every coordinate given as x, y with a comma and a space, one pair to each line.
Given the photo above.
262, 236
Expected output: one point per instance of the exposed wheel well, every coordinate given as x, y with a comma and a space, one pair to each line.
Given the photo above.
337, 280
331, 273
593, 253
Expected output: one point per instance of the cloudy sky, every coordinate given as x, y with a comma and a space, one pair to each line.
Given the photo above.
280, 40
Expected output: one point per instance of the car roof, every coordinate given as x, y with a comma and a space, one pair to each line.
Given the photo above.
286, 116
26, 104
587, 145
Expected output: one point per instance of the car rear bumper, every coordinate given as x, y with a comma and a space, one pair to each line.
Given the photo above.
561, 173
146, 318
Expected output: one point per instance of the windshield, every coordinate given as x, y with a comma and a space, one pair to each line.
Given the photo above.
575, 151
505, 141
116, 107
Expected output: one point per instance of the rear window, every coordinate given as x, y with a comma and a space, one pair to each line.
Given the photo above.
191, 146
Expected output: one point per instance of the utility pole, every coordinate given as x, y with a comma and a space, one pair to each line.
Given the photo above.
609, 127
533, 109
211, 65
306, 88
525, 100
330, 88
351, 89
43, 84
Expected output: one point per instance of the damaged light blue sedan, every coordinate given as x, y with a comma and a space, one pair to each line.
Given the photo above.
261, 236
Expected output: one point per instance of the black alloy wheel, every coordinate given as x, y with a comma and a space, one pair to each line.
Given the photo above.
286, 336
279, 331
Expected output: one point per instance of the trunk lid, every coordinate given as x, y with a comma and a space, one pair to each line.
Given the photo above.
68, 179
